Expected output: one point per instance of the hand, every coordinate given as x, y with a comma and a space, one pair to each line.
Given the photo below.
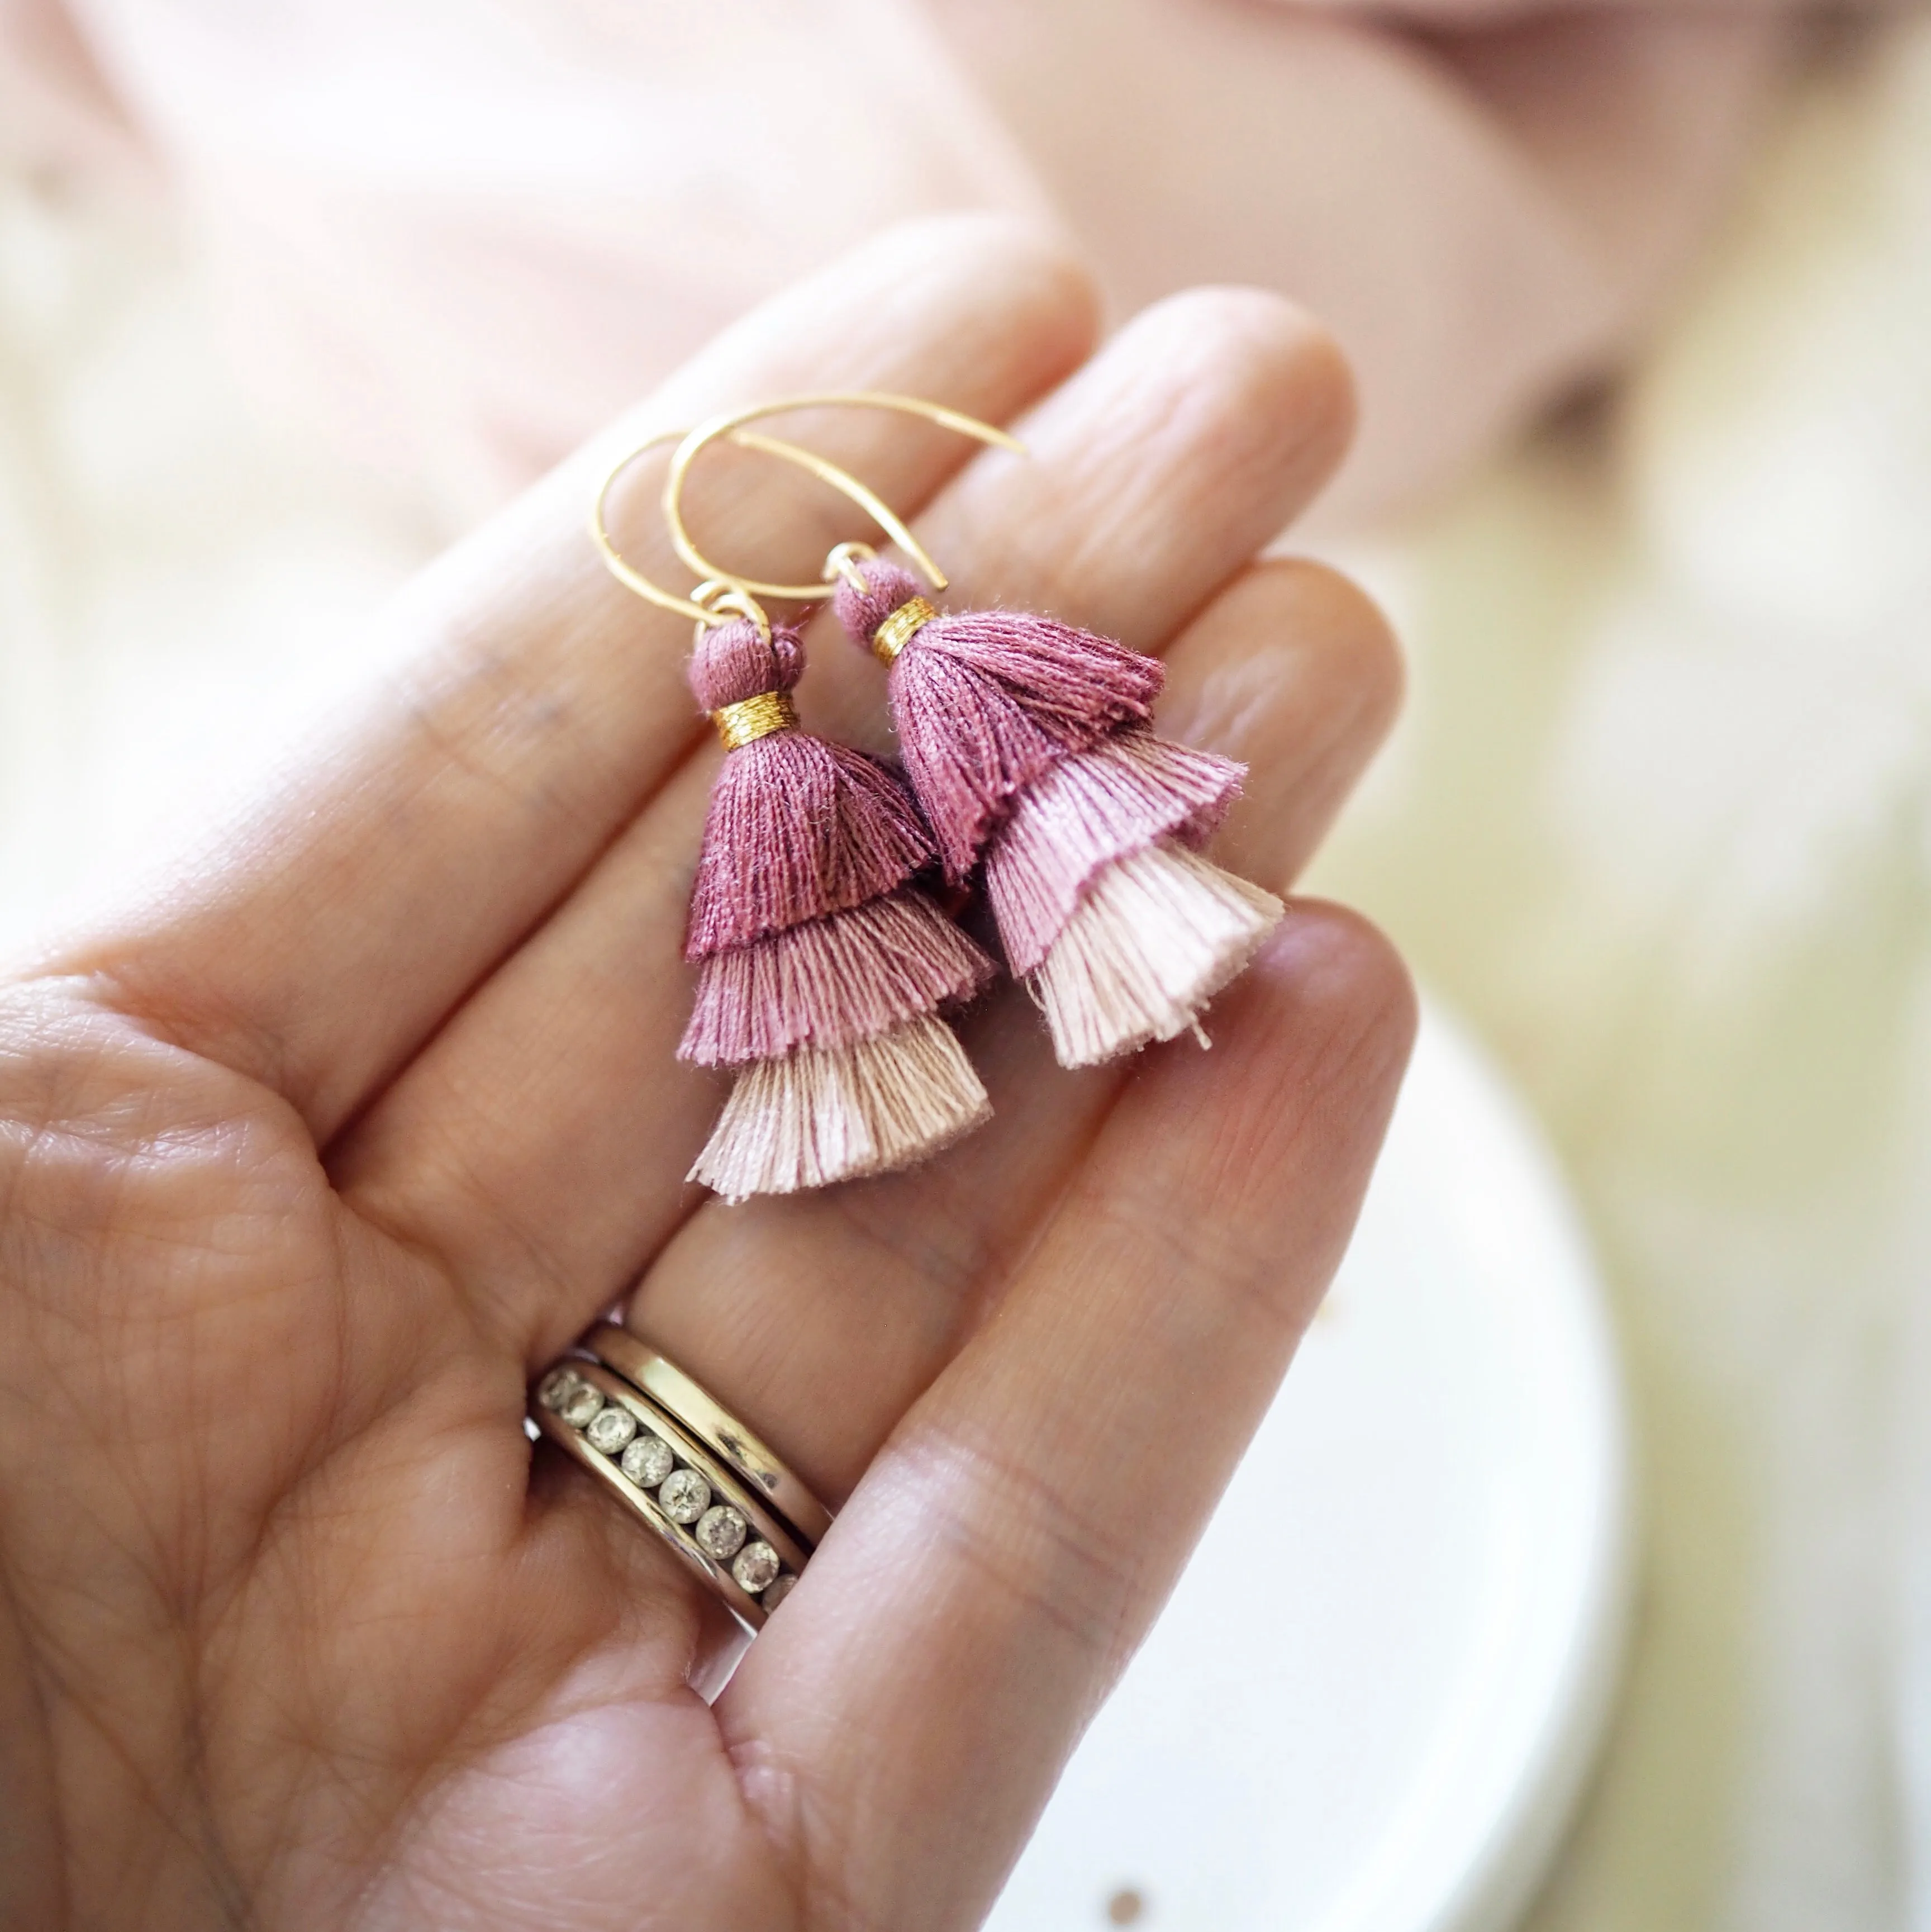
308, 1162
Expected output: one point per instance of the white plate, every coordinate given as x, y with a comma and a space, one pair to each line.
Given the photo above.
1371, 1703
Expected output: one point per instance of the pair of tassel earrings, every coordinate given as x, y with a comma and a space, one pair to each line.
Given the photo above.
824, 966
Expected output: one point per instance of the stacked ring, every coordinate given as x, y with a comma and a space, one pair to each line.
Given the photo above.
675, 1457
700, 1412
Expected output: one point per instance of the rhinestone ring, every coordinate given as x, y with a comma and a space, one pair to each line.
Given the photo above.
695, 1474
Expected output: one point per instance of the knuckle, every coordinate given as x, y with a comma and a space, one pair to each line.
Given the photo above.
1357, 992
1337, 616
1013, 1527
1285, 370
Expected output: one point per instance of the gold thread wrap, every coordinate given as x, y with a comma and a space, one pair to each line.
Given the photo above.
751, 719
896, 631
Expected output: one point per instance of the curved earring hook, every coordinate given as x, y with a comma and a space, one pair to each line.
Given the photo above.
731, 426
710, 602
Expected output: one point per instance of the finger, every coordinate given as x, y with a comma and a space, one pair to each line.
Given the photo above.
1160, 470
538, 1144
1208, 425
538, 704
1008, 1549
1295, 672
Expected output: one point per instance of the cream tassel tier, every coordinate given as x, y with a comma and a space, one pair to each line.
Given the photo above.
1157, 935
819, 1115
1118, 927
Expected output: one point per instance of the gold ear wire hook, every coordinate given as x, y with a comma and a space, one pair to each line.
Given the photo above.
731, 426
711, 603
827, 471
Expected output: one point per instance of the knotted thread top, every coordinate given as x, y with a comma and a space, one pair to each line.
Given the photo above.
734, 662
881, 588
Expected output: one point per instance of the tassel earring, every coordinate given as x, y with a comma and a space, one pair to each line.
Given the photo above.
1029, 744
822, 967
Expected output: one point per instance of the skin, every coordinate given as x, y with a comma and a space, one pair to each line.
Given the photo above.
312, 1155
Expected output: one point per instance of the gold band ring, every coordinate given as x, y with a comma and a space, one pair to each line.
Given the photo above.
688, 1490
701, 1413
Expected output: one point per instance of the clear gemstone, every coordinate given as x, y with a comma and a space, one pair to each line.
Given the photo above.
685, 1495
611, 1429
757, 1565
777, 1593
648, 1461
580, 1405
555, 1386
721, 1532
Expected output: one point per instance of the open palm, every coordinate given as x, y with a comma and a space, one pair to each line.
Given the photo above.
308, 1161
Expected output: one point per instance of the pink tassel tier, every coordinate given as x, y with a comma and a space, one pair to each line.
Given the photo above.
832, 981
990, 701
1026, 742
822, 968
